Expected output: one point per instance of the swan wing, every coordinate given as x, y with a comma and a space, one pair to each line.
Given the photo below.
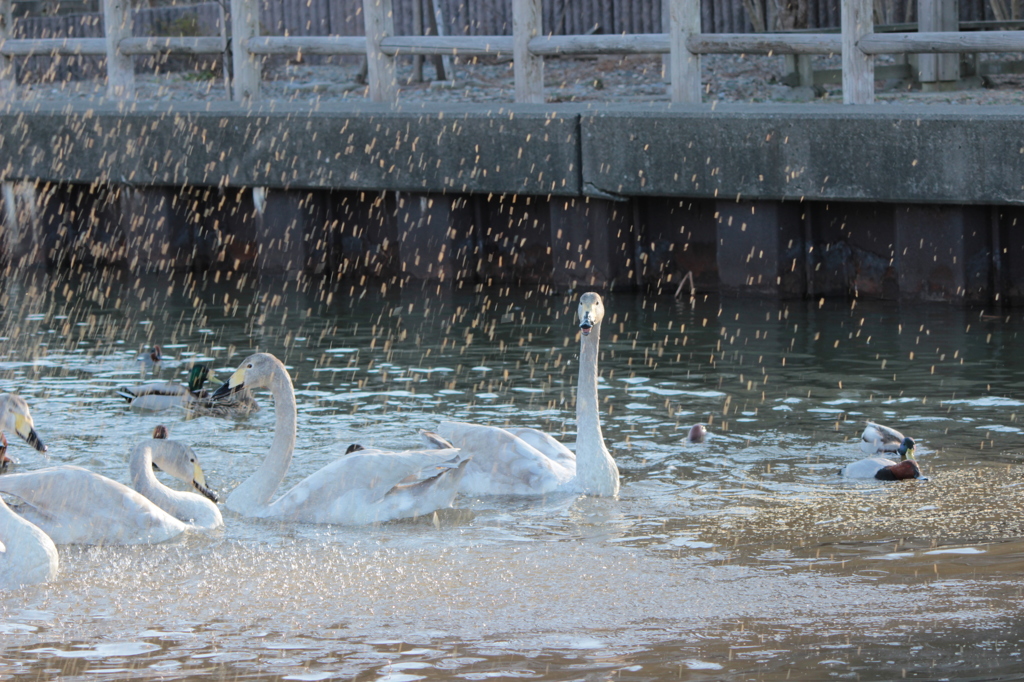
503, 463
547, 445
27, 554
76, 506
878, 439
371, 486
865, 468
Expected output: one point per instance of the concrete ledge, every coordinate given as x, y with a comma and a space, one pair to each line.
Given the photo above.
878, 153
365, 147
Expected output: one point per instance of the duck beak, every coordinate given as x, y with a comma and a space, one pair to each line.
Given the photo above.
232, 385
23, 427
199, 483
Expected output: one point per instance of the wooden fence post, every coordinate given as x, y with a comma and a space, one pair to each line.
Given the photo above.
527, 68
858, 68
936, 71
684, 66
8, 79
381, 73
246, 73
117, 25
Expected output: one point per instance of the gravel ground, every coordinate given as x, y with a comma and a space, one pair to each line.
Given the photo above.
728, 78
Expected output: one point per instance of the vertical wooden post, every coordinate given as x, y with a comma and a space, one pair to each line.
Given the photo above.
936, 69
117, 25
417, 30
858, 68
684, 21
246, 76
527, 68
8, 79
380, 68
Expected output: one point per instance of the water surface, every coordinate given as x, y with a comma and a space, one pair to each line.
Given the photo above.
744, 557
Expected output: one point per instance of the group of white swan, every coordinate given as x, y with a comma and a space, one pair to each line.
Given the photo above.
71, 505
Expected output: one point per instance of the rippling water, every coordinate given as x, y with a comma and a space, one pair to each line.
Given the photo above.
745, 557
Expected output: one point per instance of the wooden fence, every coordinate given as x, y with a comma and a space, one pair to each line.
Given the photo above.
528, 30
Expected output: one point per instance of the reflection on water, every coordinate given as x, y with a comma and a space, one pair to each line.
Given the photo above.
742, 557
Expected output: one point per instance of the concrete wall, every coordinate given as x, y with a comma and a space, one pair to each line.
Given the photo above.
802, 200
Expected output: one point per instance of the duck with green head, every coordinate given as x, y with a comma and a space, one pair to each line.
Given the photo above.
193, 398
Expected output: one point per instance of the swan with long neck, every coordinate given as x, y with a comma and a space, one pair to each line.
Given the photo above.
367, 486
75, 506
524, 461
178, 460
27, 554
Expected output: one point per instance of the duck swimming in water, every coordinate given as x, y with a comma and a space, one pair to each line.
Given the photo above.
884, 469
879, 440
197, 402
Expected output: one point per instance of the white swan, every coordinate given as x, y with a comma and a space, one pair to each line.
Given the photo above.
367, 486
27, 554
178, 460
523, 461
77, 506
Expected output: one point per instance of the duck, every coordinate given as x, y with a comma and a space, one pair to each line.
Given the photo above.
368, 485
884, 469
197, 402
76, 506
697, 434
150, 361
525, 461
879, 440
28, 556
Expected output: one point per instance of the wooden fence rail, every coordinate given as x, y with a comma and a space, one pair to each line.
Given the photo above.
532, 41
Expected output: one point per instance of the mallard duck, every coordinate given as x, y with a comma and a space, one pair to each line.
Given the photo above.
197, 402
885, 469
524, 461
365, 486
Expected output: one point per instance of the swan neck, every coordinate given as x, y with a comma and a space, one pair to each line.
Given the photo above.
256, 492
140, 468
596, 471
588, 421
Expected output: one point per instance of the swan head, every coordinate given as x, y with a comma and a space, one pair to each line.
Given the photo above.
180, 461
256, 371
906, 449
16, 417
591, 311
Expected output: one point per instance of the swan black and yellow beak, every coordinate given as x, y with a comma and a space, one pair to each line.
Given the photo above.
24, 428
232, 385
586, 322
199, 483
